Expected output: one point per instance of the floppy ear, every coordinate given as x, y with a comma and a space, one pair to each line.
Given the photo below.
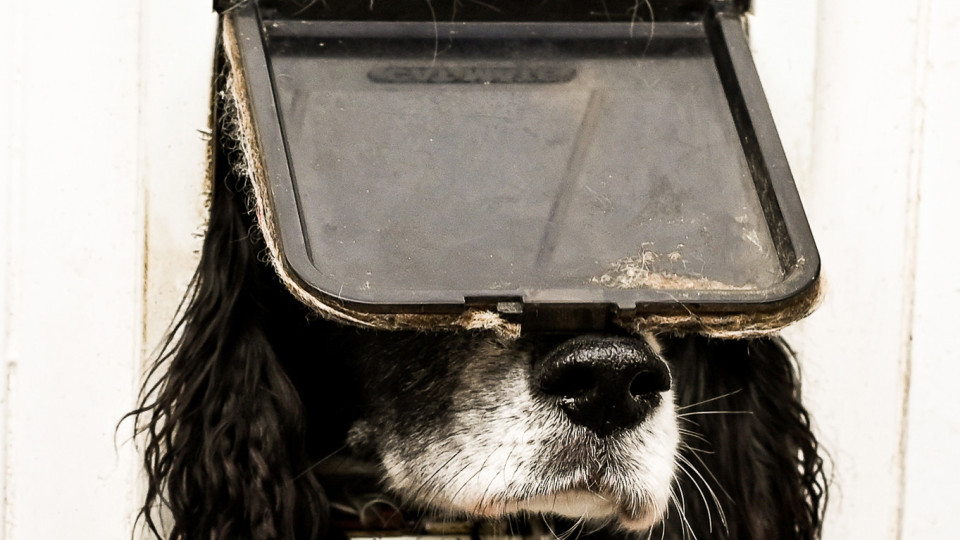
750, 466
222, 423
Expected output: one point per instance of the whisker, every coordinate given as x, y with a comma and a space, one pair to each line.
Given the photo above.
606, 10
634, 13
423, 485
491, 7
698, 413
676, 504
436, 31
547, 524
577, 524
713, 495
436, 492
706, 504
503, 472
305, 6
682, 511
599, 526
479, 470
728, 394
694, 435
319, 462
685, 446
710, 473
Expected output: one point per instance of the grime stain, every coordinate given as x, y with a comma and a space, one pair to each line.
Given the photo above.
643, 272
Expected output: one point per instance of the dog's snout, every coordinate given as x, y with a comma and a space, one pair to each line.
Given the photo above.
605, 384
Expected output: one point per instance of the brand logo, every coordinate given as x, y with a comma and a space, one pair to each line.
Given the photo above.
453, 74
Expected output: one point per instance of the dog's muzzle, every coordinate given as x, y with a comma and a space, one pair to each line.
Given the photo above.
605, 384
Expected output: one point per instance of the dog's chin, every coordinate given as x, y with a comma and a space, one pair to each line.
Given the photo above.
572, 503
591, 506
579, 504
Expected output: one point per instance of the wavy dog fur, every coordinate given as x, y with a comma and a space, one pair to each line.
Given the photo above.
252, 390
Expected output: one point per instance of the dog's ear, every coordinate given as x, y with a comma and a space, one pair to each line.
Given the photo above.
750, 467
222, 423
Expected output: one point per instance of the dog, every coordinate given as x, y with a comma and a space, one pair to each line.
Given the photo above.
262, 420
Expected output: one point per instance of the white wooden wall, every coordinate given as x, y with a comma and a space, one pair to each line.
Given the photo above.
102, 108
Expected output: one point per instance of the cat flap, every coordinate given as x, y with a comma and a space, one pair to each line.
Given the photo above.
529, 176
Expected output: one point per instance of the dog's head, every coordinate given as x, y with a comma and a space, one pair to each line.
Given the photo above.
474, 424
253, 394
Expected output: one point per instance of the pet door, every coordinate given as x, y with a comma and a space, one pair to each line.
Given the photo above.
535, 176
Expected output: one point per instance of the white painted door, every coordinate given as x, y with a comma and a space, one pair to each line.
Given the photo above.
103, 109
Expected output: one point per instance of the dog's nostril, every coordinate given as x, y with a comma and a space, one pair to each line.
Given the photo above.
646, 383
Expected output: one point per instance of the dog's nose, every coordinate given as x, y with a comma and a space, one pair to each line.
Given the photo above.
604, 383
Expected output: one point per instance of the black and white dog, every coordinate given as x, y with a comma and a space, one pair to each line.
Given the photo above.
257, 407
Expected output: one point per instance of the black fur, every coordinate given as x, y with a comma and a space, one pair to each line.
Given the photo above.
763, 460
